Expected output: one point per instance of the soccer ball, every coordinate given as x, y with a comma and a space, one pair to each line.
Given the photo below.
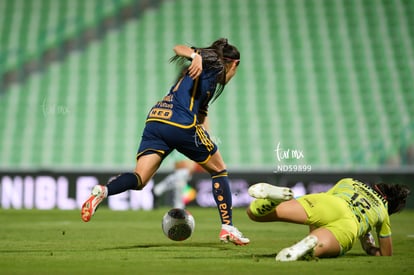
178, 224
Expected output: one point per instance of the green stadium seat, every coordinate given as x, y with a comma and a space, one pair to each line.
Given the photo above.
330, 78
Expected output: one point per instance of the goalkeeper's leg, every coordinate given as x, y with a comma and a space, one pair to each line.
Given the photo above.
267, 198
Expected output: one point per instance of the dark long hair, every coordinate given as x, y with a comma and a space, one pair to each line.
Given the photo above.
215, 57
395, 194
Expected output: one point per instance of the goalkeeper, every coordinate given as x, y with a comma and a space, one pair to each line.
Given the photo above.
349, 211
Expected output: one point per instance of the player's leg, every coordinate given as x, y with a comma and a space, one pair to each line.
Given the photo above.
321, 241
223, 198
328, 245
267, 198
146, 166
298, 250
221, 187
270, 207
151, 151
286, 211
332, 227
197, 146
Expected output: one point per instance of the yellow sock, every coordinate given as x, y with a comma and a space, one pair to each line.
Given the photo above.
262, 207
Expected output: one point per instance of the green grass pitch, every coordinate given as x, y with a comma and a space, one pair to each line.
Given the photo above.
132, 242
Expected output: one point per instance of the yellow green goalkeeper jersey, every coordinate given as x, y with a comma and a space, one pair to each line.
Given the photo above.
370, 209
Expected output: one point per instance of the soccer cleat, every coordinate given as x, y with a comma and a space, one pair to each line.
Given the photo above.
231, 234
271, 192
298, 250
99, 192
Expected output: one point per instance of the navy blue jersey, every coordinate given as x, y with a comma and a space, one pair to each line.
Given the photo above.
180, 107
172, 122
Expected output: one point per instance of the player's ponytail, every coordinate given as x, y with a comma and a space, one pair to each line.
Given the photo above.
216, 57
395, 194
226, 54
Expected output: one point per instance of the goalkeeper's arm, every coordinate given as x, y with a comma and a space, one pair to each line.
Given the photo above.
368, 244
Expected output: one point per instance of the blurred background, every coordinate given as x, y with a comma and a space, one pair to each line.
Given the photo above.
325, 89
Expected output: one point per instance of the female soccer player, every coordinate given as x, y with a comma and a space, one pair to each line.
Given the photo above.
350, 210
175, 122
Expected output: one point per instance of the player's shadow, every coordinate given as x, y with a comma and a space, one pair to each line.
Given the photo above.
217, 246
162, 247
167, 247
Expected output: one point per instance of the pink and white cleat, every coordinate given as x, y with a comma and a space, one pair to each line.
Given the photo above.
231, 234
99, 192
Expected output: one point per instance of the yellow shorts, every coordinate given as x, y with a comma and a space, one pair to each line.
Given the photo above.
332, 213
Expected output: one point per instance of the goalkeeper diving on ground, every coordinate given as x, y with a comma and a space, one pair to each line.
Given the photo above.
350, 211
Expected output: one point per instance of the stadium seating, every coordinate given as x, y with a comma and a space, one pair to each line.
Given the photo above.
332, 79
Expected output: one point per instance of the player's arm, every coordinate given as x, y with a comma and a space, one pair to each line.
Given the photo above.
385, 244
368, 244
196, 67
384, 238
